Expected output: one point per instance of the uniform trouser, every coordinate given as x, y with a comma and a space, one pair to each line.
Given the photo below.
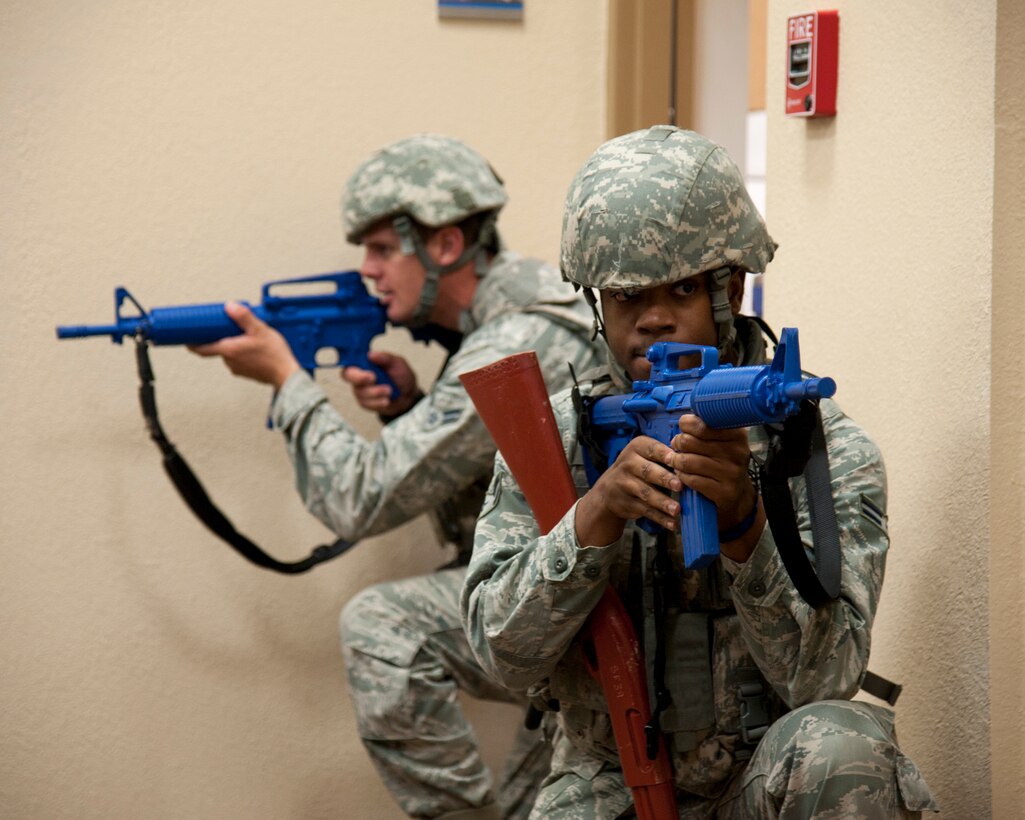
832, 760
406, 655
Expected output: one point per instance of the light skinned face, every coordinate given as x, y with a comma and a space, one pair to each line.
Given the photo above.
398, 278
677, 312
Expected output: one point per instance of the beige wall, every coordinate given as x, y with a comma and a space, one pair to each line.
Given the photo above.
190, 151
1007, 444
903, 270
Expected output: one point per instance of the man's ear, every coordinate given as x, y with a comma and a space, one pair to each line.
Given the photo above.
735, 290
449, 244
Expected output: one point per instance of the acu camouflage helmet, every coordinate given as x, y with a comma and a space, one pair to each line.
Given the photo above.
433, 179
660, 205
657, 206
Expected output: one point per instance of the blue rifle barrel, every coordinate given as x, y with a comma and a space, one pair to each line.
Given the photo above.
184, 325
345, 318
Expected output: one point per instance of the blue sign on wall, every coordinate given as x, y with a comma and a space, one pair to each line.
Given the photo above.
482, 9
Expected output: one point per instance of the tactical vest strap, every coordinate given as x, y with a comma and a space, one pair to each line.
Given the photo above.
754, 712
663, 699
880, 687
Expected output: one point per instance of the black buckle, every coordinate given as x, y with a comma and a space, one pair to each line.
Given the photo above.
881, 688
754, 712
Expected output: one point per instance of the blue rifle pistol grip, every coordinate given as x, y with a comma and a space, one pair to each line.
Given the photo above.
699, 525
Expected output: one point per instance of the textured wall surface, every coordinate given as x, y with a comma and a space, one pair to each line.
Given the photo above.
1007, 447
191, 151
885, 217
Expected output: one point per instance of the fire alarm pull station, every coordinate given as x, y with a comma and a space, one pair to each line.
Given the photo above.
812, 48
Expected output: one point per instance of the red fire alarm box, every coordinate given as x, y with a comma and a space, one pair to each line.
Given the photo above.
812, 49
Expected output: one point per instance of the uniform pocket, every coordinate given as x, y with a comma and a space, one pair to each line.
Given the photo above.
581, 787
914, 792
572, 685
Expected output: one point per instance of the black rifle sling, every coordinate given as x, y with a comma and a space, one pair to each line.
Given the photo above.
195, 496
801, 447
824, 529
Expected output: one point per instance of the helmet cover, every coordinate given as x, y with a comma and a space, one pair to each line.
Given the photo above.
656, 206
436, 180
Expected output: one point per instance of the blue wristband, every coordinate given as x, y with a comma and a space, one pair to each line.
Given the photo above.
737, 530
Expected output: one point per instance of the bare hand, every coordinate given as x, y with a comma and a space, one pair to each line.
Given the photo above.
260, 353
378, 397
715, 463
632, 487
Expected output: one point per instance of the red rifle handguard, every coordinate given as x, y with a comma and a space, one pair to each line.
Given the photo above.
511, 399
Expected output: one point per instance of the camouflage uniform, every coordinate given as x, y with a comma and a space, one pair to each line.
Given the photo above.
527, 595
403, 642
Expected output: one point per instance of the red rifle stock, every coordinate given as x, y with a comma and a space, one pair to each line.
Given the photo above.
512, 400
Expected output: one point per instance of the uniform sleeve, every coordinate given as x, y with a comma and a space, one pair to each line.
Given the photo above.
358, 487
809, 654
526, 595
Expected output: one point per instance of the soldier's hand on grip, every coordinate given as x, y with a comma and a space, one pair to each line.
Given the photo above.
634, 486
376, 397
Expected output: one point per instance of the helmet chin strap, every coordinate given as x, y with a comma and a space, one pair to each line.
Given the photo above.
722, 312
411, 243
599, 327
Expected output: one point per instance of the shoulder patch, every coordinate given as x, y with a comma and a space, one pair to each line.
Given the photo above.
872, 512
